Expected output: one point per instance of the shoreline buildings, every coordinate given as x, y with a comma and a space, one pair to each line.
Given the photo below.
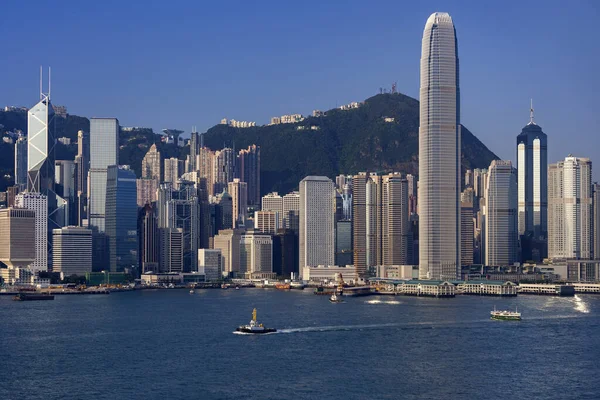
439, 151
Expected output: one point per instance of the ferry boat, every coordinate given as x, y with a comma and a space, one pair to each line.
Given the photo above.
191, 291
335, 298
32, 297
505, 315
282, 286
254, 327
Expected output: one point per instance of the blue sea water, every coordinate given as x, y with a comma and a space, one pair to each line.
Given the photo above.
171, 344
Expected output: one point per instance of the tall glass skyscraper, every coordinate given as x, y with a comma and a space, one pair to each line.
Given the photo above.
21, 163
121, 218
501, 239
104, 151
439, 151
532, 167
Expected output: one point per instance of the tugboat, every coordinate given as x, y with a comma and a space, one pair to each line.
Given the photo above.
335, 299
254, 327
505, 315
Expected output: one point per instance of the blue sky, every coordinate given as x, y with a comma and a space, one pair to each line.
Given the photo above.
183, 63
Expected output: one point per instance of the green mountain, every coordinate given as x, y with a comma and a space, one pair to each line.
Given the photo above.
342, 141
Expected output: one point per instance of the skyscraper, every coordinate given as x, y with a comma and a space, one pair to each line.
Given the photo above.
291, 211
65, 178
570, 212
380, 221
194, 146
467, 227
72, 250
173, 170
82, 168
17, 237
439, 151
38, 203
532, 167
596, 219
317, 230
228, 241
501, 233
273, 202
121, 218
21, 163
249, 172
151, 164
239, 195
104, 151
148, 234
256, 255
223, 169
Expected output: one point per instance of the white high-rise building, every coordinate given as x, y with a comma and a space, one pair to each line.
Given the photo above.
266, 221
317, 221
38, 203
291, 211
17, 237
172, 171
570, 212
439, 151
72, 253
272, 202
239, 195
256, 255
501, 235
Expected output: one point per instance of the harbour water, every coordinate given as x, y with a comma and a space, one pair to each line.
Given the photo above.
170, 344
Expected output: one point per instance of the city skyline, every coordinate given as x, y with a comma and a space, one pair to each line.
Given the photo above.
490, 109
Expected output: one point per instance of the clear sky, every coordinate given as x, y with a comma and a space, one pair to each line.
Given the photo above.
182, 63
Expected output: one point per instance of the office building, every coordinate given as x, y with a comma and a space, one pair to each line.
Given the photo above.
223, 204
104, 151
194, 147
121, 218
285, 253
343, 243
21, 162
39, 204
249, 172
223, 169
209, 264
291, 211
273, 202
570, 211
65, 180
151, 165
317, 225
266, 222
501, 230
17, 237
532, 167
173, 170
181, 208
439, 151
205, 164
596, 219
149, 240
228, 241
256, 255
380, 221
147, 191
72, 253
239, 196
171, 250
467, 227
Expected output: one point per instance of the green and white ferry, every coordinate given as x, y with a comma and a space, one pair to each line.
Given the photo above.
506, 315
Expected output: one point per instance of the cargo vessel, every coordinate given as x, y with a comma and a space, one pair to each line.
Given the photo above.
33, 296
505, 315
254, 327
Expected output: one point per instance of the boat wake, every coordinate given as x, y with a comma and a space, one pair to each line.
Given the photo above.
334, 328
382, 302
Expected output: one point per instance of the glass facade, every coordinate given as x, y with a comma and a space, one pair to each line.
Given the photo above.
104, 151
439, 151
121, 218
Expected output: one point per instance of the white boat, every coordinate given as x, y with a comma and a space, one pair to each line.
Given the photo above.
254, 327
335, 298
192, 291
505, 315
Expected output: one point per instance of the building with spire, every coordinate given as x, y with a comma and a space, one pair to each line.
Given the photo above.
439, 151
532, 167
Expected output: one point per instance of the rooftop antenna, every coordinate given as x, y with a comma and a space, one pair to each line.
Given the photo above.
41, 79
531, 113
49, 81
